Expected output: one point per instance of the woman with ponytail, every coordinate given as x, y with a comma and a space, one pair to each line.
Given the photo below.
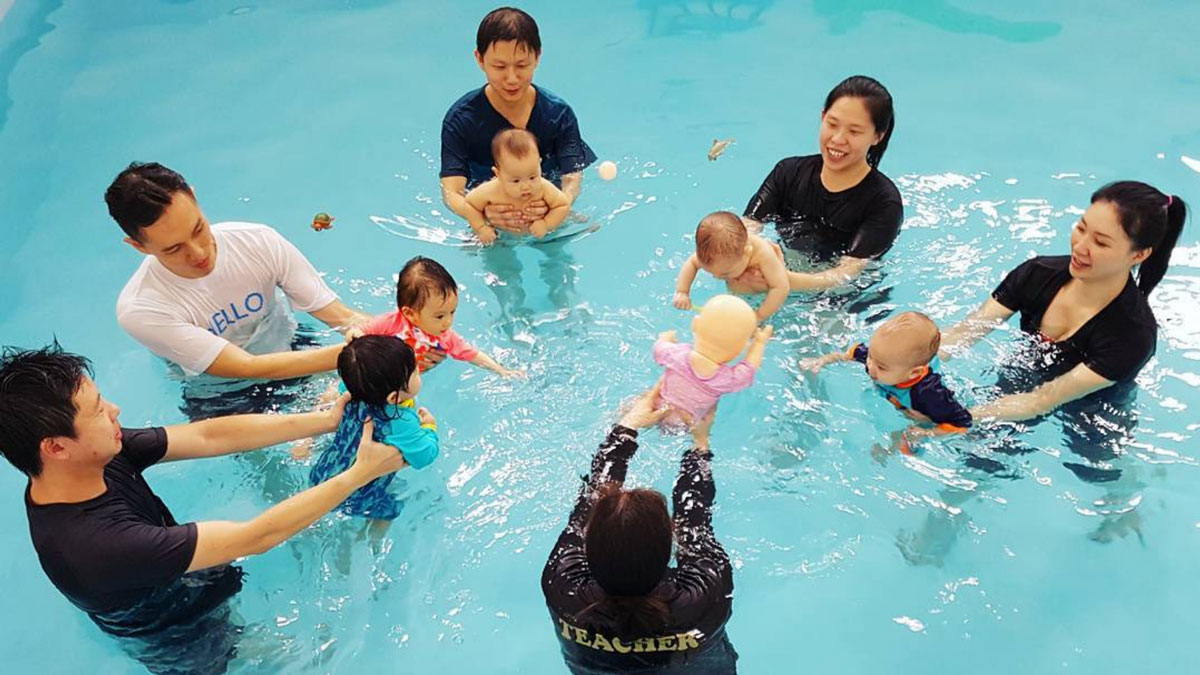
1087, 311
837, 205
617, 604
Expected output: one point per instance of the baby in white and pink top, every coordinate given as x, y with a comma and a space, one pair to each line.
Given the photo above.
426, 301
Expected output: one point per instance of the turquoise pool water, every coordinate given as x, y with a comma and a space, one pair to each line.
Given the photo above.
1007, 118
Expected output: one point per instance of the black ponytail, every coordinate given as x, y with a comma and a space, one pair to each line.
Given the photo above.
878, 101
1151, 219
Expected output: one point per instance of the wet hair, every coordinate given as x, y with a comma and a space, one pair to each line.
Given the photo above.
925, 349
505, 24
374, 367
878, 101
627, 542
1151, 219
140, 194
419, 279
37, 401
514, 143
720, 235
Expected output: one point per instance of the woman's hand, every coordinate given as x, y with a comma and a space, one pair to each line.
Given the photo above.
645, 411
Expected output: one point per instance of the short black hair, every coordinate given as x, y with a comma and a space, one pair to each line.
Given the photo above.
138, 195
37, 401
419, 279
374, 367
508, 23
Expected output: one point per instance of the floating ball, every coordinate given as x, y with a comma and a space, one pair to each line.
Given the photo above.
607, 170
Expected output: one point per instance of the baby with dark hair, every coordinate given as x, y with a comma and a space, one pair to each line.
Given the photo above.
380, 373
518, 182
426, 302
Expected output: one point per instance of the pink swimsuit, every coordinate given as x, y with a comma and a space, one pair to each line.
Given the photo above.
692, 393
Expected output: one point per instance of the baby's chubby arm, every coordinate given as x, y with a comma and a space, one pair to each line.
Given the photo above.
484, 361
816, 363
477, 200
770, 262
683, 284
759, 346
559, 206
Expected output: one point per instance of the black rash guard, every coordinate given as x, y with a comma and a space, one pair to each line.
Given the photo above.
699, 591
861, 222
1114, 344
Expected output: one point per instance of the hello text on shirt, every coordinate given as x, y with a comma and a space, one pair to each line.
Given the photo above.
226, 317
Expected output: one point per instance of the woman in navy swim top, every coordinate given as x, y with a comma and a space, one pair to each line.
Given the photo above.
1090, 318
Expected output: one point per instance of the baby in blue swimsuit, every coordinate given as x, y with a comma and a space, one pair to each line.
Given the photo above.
902, 360
380, 372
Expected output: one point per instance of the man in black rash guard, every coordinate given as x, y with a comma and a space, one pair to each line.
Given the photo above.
697, 594
861, 222
110, 545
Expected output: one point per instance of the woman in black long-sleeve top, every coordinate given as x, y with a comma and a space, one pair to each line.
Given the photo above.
617, 605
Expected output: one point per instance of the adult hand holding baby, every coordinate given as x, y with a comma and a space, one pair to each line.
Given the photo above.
536, 209
506, 217
375, 459
645, 411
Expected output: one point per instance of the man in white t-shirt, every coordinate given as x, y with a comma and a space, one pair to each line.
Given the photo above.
205, 296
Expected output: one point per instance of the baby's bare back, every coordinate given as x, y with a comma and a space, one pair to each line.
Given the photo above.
753, 280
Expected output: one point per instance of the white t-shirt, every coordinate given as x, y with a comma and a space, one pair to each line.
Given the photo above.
189, 321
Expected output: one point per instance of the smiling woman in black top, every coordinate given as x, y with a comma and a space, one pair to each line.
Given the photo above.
836, 205
1091, 322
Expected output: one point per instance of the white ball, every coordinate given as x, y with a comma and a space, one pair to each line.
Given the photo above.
607, 170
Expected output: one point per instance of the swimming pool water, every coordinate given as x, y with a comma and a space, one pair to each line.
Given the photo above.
1007, 118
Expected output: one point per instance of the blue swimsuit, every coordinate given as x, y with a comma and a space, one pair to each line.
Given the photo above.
925, 394
395, 425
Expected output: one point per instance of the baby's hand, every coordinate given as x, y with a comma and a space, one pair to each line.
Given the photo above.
539, 228
763, 334
426, 417
669, 336
510, 374
683, 300
813, 364
302, 449
486, 234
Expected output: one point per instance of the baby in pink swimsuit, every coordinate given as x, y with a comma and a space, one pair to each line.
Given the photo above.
697, 375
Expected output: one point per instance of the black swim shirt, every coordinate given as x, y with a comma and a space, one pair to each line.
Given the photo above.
861, 222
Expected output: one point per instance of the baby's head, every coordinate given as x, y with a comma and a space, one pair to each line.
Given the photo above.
427, 295
379, 369
902, 347
518, 164
723, 245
